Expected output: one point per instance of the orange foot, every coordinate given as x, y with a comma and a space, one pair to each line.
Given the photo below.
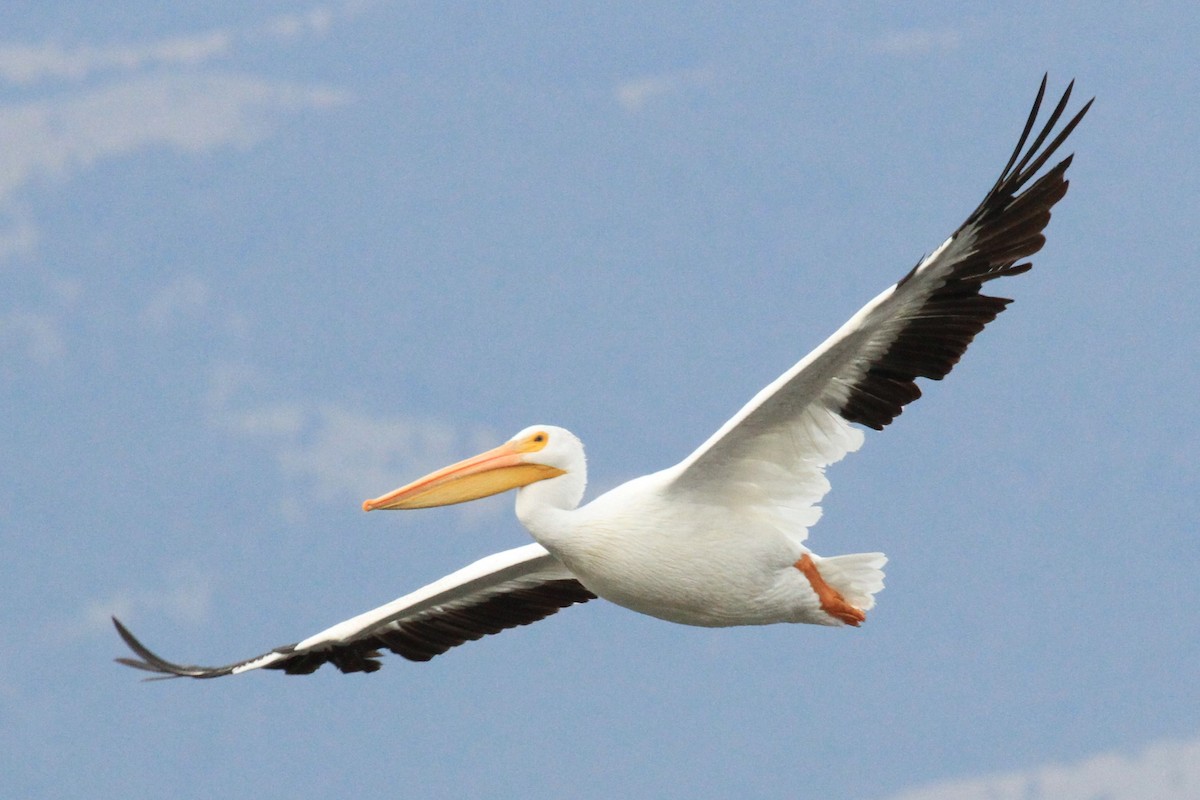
832, 602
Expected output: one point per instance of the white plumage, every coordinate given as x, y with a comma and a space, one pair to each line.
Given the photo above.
720, 538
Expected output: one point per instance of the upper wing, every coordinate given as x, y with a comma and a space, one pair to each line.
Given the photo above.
514, 587
772, 454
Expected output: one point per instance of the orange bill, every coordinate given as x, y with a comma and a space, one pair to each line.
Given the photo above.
495, 471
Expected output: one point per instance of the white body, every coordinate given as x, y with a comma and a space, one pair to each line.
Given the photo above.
692, 563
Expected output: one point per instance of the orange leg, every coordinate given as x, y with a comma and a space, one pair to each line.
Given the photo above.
832, 602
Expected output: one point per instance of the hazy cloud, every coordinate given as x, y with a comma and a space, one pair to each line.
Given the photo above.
114, 101
347, 453
192, 113
330, 453
634, 94
117, 99
293, 26
39, 334
35, 334
1168, 770
24, 64
186, 297
54, 139
18, 235
184, 598
230, 410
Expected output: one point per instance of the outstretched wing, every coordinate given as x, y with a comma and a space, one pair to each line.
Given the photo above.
504, 590
772, 455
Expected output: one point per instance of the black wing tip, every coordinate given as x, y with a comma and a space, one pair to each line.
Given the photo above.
153, 662
150, 661
1008, 228
1050, 125
132, 642
1016, 181
419, 639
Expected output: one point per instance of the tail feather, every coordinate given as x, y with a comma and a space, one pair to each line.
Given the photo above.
857, 576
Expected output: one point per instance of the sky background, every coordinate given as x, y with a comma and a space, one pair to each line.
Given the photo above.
259, 262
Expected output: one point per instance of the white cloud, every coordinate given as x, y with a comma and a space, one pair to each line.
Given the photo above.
116, 101
56, 138
634, 94
192, 113
38, 335
228, 410
291, 26
188, 599
25, 64
53, 139
919, 41
183, 298
1167, 770
350, 454
18, 234
163, 93
333, 454
35, 334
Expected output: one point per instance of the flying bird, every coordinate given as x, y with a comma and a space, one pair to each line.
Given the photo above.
719, 538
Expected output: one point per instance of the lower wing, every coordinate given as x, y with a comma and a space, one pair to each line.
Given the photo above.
504, 590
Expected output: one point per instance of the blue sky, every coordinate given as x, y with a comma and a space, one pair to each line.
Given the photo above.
257, 265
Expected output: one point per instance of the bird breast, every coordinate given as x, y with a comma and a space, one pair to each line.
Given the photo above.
687, 562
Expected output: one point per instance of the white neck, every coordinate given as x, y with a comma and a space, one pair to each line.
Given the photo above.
545, 507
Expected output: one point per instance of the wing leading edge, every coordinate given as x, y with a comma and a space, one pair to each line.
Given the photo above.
865, 373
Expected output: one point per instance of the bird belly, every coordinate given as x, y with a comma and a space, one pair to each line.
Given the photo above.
719, 574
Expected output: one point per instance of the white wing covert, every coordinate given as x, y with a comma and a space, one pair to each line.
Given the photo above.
772, 454
507, 589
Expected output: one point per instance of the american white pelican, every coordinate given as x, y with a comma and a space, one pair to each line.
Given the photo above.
718, 539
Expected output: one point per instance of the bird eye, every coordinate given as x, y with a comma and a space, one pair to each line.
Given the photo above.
533, 442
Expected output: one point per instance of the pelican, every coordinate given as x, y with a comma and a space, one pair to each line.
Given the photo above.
719, 538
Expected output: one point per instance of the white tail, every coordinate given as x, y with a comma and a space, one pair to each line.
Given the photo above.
857, 576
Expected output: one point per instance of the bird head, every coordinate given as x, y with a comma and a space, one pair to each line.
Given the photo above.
538, 453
